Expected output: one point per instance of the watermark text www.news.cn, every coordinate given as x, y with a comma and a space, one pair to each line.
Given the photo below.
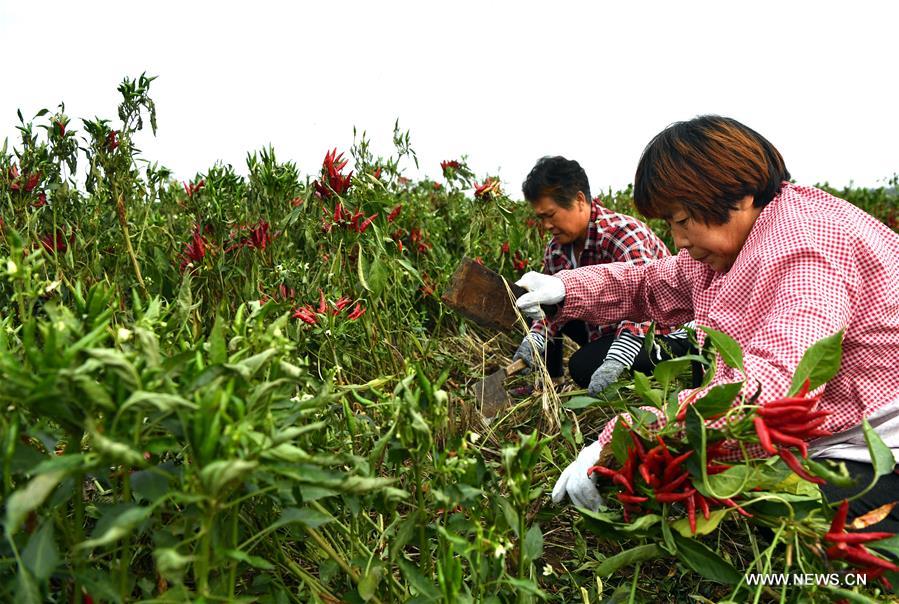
800, 579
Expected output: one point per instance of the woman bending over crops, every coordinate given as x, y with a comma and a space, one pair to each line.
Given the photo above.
586, 233
775, 265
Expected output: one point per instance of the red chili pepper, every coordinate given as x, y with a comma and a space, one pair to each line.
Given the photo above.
778, 412
367, 222
805, 385
859, 555
786, 439
601, 470
738, 509
703, 504
761, 431
669, 487
641, 450
791, 401
856, 537
664, 448
322, 303
794, 465
798, 429
624, 498
675, 465
644, 472
691, 513
673, 497
623, 481
717, 468
839, 518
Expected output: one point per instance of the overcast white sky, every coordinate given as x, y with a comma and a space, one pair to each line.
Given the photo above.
503, 82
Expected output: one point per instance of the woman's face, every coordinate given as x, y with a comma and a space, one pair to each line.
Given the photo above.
716, 245
566, 224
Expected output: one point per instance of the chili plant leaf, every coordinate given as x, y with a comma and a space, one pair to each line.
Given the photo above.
25, 500
117, 524
718, 399
881, 455
641, 553
41, 555
703, 526
705, 561
533, 543
727, 347
819, 363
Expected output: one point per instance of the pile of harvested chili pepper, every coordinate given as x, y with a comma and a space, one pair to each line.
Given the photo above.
657, 475
790, 422
850, 547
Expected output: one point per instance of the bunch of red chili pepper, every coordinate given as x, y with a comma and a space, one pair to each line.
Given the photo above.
790, 422
309, 314
850, 547
487, 190
334, 181
664, 479
191, 188
259, 237
354, 221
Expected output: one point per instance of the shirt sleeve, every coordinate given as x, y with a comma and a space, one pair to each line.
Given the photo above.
611, 293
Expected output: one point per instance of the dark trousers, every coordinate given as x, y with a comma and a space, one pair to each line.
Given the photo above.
886, 491
591, 355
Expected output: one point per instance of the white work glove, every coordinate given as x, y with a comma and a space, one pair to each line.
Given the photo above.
531, 346
576, 484
607, 373
542, 289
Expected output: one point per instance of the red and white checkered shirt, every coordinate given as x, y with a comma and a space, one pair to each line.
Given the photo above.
811, 266
611, 237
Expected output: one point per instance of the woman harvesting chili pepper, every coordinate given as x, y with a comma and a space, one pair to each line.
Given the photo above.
777, 266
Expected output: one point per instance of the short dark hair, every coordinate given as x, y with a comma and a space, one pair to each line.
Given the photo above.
706, 165
558, 178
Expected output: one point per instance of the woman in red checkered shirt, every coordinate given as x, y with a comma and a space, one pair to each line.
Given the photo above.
586, 233
776, 266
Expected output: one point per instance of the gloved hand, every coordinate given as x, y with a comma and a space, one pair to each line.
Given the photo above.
531, 346
576, 484
542, 289
607, 373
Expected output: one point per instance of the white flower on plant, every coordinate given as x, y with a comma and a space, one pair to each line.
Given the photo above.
548, 570
124, 334
500, 551
11, 267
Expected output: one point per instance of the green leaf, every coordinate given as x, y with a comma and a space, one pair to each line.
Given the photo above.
27, 590
881, 455
120, 524
163, 402
425, 588
528, 587
248, 367
718, 399
368, 586
254, 561
533, 543
819, 363
727, 347
27, 499
218, 350
41, 555
308, 517
509, 514
642, 387
149, 486
361, 269
666, 371
218, 474
705, 561
703, 526
581, 402
641, 553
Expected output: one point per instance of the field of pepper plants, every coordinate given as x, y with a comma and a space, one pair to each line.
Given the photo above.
247, 389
